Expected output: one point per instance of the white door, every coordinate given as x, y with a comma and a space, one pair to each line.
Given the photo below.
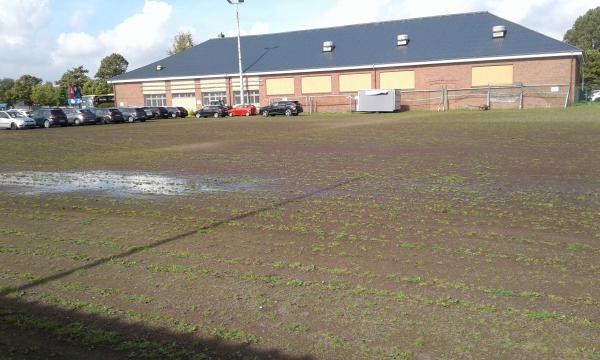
4, 120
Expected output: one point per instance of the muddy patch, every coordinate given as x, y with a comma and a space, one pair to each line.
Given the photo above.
119, 184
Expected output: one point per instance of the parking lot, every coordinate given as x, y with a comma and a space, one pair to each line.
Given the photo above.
460, 235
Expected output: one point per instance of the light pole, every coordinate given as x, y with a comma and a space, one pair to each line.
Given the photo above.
237, 13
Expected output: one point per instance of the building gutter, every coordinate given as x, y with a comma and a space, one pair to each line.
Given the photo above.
360, 67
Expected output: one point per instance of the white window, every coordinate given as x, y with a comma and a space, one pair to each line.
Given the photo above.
184, 96
155, 100
208, 97
252, 94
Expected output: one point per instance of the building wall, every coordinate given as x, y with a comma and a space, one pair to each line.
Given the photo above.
550, 71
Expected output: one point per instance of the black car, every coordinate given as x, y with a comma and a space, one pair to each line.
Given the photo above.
212, 111
151, 113
163, 112
287, 108
158, 112
108, 116
133, 114
177, 111
49, 117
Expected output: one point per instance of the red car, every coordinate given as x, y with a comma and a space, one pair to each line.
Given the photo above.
242, 110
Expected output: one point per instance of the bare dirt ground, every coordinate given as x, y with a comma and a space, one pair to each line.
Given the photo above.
463, 235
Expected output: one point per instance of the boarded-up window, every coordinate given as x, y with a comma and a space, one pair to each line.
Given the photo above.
213, 85
397, 80
183, 87
283, 86
492, 75
350, 83
154, 88
316, 84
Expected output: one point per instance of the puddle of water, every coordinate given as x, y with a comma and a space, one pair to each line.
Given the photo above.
119, 184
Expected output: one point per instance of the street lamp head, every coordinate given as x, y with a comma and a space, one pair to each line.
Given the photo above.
235, 2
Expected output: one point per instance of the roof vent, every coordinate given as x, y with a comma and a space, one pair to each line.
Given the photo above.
402, 40
328, 46
220, 36
498, 32
159, 67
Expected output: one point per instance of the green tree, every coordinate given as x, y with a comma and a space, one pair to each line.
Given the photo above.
585, 34
96, 87
181, 42
45, 94
23, 88
77, 76
111, 66
5, 85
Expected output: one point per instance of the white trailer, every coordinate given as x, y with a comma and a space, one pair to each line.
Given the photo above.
378, 100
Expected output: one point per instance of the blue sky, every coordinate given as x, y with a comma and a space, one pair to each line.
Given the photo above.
46, 37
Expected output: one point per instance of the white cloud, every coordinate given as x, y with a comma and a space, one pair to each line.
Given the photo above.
139, 37
552, 17
19, 20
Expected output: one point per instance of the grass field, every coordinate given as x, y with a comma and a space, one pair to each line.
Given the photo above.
462, 235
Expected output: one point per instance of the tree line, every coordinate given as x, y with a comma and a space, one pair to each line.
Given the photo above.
32, 90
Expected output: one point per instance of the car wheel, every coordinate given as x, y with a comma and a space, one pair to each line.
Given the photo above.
230, 114
248, 113
105, 122
288, 112
77, 122
13, 126
198, 116
47, 124
130, 119
216, 115
143, 120
265, 113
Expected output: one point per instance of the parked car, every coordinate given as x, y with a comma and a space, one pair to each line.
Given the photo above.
80, 116
108, 116
213, 111
15, 120
134, 114
158, 112
243, 110
163, 112
49, 117
151, 113
595, 95
287, 108
24, 112
177, 111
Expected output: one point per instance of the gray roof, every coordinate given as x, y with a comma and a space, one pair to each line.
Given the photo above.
439, 38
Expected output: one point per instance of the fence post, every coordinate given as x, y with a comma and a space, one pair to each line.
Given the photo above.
446, 98
489, 97
521, 98
568, 96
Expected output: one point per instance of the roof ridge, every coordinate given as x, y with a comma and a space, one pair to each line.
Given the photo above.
360, 24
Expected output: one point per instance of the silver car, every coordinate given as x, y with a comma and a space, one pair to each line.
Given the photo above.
15, 120
79, 116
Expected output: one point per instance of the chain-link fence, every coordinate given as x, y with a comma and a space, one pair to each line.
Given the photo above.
443, 99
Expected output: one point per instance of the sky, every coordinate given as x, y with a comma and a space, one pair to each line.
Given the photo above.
45, 38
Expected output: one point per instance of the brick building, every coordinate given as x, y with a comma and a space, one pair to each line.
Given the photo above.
443, 54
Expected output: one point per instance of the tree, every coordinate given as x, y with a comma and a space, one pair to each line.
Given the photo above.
585, 34
5, 85
77, 76
96, 87
181, 42
111, 66
45, 94
23, 88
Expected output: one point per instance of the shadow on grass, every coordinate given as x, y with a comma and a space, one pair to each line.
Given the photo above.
76, 330
34, 331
